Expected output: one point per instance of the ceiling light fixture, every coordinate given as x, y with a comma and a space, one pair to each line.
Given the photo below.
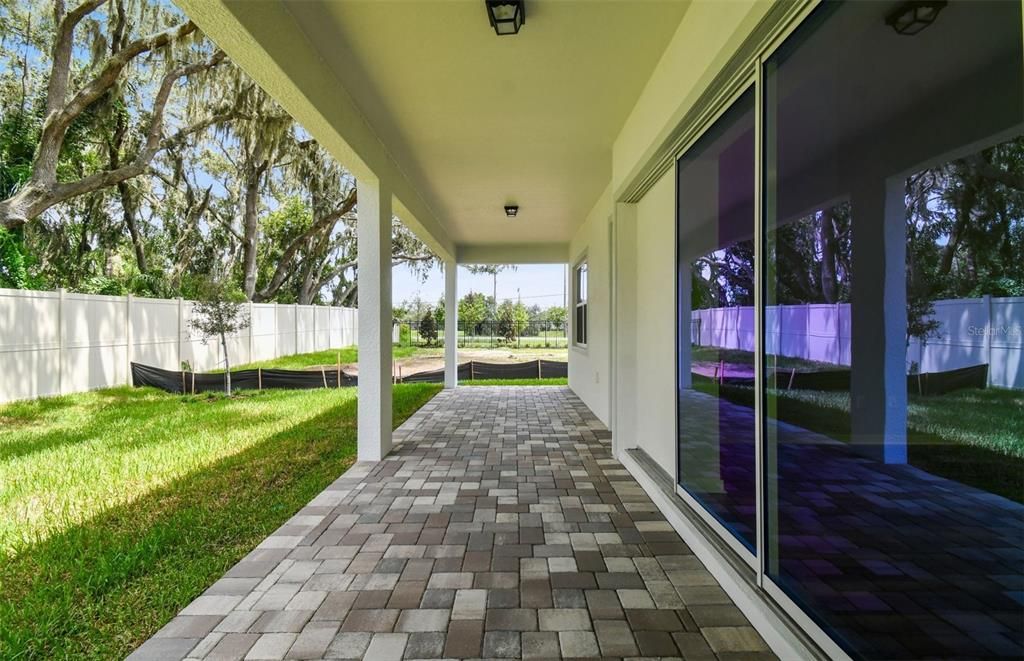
506, 16
911, 17
511, 210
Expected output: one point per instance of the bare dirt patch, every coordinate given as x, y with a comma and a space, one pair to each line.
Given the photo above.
434, 360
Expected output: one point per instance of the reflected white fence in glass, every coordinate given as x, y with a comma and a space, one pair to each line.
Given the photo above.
972, 331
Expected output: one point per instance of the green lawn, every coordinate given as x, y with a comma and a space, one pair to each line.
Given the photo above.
557, 381
118, 507
302, 361
740, 357
973, 436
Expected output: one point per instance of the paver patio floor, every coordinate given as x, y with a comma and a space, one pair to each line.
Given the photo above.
498, 527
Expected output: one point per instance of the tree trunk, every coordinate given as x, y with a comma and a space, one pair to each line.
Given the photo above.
131, 223
829, 249
310, 278
227, 365
346, 293
250, 225
316, 259
964, 206
83, 237
124, 191
306, 288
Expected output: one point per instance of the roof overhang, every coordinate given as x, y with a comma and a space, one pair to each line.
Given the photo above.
455, 120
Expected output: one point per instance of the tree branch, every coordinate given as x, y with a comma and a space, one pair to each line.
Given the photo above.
989, 171
60, 116
63, 45
96, 87
284, 264
404, 258
153, 142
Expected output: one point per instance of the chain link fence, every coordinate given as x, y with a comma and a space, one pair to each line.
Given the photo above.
486, 335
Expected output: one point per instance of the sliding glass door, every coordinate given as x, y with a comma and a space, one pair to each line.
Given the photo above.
715, 253
887, 249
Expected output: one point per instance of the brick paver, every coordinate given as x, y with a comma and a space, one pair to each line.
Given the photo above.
498, 527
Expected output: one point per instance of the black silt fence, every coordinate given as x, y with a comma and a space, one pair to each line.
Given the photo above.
436, 376
265, 379
477, 371
257, 379
939, 383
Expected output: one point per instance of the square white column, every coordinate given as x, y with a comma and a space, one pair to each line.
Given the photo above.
451, 324
375, 376
878, 313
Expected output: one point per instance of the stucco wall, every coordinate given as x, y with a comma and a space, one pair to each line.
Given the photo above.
706, 38
655, 313
589, 372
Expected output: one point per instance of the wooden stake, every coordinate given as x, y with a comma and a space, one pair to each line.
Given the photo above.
259, 377
323, 373
792, 373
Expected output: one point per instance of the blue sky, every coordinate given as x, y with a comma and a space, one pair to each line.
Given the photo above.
537, 284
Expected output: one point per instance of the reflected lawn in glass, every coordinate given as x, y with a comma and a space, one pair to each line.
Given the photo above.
954, 573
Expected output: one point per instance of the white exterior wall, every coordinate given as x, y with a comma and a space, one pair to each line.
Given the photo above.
648, 399
706, 38
53, 343
589, 368
655, 329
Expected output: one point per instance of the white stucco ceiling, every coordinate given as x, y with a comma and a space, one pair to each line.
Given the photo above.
475, 120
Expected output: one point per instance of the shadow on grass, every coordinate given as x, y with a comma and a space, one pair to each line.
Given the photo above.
101, 588
101, 416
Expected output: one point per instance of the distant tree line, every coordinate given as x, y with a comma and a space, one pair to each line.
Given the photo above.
478, 315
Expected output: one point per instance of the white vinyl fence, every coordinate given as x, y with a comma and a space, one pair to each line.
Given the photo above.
972, 331
58, 342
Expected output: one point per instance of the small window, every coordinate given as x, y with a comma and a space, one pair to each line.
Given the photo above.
580, 296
